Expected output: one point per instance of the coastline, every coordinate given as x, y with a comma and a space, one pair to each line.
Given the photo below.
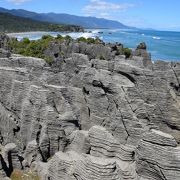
14, 34
162, 45
76, 88
84, 90
31, 32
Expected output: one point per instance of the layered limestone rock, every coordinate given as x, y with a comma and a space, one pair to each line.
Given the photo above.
90, 118
158, 157
141, 51
74, 166
103, 144
9, 159
106, 159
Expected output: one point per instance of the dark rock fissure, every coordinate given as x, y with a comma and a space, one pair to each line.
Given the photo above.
44, 159
175, 74
155, 166
89, 112
99, 84
127, 76
127, 98
173, 127
1, 138
56, 55
75, 122
85, 91
38, 134
16, 130
80, 119
156, 143
122, 119
5, 167
175, 86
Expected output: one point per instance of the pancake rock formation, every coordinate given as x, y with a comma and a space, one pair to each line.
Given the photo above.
92, 119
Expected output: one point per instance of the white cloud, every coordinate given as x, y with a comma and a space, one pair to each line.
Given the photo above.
102, 8
17, 2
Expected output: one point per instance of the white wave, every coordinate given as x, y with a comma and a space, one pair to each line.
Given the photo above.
96, 31
31, 35
88, 35
78, 35
38, 35
158, 38
143, 34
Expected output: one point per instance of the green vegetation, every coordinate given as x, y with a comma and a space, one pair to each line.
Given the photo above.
32, 48
59, 37
101, 57
10, 23
20, 175
90, 40
36, 48
127, 52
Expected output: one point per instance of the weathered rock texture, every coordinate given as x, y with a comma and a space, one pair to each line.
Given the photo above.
91, 119
158, 156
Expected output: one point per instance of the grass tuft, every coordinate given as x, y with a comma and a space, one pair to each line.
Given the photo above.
20, 175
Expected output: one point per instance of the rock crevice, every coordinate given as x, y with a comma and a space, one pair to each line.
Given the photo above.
89, 118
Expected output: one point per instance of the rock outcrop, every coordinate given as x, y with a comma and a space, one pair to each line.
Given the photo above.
141, 51
158, 156
90, 118
106, 159
4, 39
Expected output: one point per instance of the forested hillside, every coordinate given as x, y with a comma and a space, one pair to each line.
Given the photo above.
10, 23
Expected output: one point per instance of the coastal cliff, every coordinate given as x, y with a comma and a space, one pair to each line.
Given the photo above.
93, 113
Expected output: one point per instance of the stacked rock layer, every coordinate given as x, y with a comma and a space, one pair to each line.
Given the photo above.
92, 119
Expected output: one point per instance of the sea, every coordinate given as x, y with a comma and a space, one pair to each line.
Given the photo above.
163, 45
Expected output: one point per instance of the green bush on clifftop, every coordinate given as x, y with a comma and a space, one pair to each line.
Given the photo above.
127, 52
90, 40
33, 48
36, 48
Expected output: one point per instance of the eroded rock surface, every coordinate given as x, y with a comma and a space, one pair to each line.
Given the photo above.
158, 159
92, 119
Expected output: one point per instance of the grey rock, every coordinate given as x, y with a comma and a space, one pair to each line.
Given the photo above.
73, 166
102, 110
79, 142
4, 39
4, 53
60, 51
158, 159
158, 137
30, 153
142, 52
142, 46
9, 160
104, 145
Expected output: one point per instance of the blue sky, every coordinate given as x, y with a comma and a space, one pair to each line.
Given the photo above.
158, 14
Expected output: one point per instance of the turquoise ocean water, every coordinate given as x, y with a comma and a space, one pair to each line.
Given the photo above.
163, 45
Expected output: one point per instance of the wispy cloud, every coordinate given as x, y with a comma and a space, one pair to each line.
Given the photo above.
17, 2
102, 8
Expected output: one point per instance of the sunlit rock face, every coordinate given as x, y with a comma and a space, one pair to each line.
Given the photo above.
92, 119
